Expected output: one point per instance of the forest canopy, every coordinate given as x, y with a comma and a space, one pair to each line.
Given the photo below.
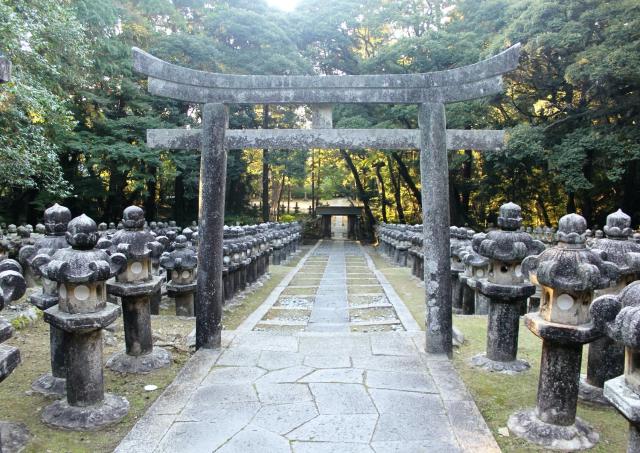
74, 117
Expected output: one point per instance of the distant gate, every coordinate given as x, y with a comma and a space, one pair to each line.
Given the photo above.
431, 91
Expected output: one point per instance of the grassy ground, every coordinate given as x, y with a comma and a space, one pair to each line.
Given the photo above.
21, 405
24, 407
498, 395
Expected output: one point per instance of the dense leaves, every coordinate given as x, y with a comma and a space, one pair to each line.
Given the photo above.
73, 120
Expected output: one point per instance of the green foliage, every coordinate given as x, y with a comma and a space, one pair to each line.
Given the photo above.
73, 120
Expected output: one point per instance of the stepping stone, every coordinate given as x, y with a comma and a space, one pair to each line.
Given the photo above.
254, 439
286, 375
391, 427
328, 361
276, 360
415, 382
337, 428
340, 375
283, 393
282, 418
332, 398
390, 363
330, 447
239, 357
233, 375
405, 404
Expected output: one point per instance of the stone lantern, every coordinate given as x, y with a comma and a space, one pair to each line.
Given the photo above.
606, 357
134, 284
158, 271
415, 251
12, 287
569, 273
456, 268
505, 288
181, 266
619, 318
56, 219
40, 229
476, 267
82, 312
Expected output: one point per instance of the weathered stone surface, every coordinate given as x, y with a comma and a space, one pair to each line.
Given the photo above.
254, 439
78, 418
227, 417
283, 418
511, 367
416, 382
405, 404
340, 375
141, 364
337, 428
154, 67
286, 375
276, 360
328, 361
435, 182
13, 437
234, 375
390, 427
323, 138
213, 170
283, 393
330, 447
49, 385
577, 436
333, 398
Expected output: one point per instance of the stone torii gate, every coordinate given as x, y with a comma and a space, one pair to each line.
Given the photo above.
431, 91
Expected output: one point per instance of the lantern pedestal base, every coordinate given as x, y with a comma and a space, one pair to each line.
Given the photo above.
527, 425
13, 437
85, 418
124, 363
591, 394
513, 367
49, 385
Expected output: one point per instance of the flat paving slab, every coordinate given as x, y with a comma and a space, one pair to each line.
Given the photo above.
315, 391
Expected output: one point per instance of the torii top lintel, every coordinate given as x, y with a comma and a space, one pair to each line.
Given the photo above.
454, 85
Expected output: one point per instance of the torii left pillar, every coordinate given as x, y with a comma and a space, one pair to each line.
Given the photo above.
213, 176
434, 176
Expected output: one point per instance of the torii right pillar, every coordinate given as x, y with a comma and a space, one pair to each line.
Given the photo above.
434, 176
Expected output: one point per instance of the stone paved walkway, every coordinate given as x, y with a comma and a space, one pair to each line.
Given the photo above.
327, 377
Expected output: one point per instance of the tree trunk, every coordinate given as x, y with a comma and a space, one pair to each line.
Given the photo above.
289, 198
150, 205
404, 173
571, 203
395, 183
629, 191
383, 192
265, 168
467, 173
543, 210
318, 181
371, 221
116, 194
313, 183
279, 200
179, 202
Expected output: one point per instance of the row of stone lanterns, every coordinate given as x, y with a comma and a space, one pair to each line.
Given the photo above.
12, 287
507, 266
83, 269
